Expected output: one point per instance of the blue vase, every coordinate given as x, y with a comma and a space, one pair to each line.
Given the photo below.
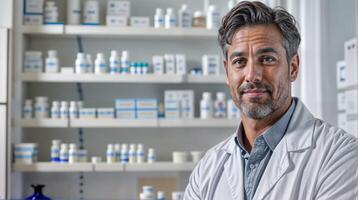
37, 193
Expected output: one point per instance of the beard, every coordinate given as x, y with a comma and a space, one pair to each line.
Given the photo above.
256, 108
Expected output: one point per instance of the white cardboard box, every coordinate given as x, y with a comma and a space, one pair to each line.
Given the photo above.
140, 22
118, 8
120, 21
350, 56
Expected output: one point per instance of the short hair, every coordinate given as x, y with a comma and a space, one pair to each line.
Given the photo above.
248, 13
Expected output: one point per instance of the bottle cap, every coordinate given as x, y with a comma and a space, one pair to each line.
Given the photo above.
207, 96
73, 146
52, 53
114, 53
220, 96
158, 11
56, 142
100, 55
169, 10
80, 55
28, 101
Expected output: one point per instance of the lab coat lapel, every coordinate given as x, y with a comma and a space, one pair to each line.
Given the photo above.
233, 170
299, 136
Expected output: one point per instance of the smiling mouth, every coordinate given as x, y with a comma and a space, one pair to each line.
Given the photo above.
254, 92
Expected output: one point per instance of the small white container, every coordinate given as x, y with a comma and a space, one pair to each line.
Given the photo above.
73, 110
185, 19
206, 106
232, 111
55, 151
64, 153
196, 156
95, 160
81, 64
169, 64
73, 12
100, 66
114, 63
55, 110
160, 195
91, 12
117, 150
152, 157
132, 153
180, 63
28, 109
72, 154
158, 65
124, 154
159, 18
212, 18
170, 19
111, 154
180, 157
41, 107
33, 62
82, 155
52, 63
125, 62
64, 110
140, 153
220, 105
146, 196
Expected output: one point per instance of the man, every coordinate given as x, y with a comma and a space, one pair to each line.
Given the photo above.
280, 151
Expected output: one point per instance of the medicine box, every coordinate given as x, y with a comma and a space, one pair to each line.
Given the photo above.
171, 104
125, 104
180, 62
120, 21
186, 100
118, 8
125, 114
105, 113
33, 7
169, 60
211, 64
140, 22
87, 113
146, 104
33, 20
341, 101
33, 62
341, 74
158, 64
350, 56
147, 114
351, 97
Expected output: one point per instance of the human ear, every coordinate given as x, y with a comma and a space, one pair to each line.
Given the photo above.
294, 67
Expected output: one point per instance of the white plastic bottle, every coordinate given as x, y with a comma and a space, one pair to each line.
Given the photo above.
125, 62
152, 157
52, 63
185, 19
64, 153
212, 18
100, 64
64, 110
170, 19
55, 110
132, 153
73, 110
55, 151
28, 110
73, 12
206, 106
111, 154
232, 110
72, 154
81, 66
89, 63
124, 154
114, 63
140, 153
41, 107
91, 12
158, 18
117, 150
160, 195
220, 105
51, 12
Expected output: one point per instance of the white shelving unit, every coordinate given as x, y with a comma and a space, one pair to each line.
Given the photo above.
112, 123
108, 78
217, 123
43, 123
103, 167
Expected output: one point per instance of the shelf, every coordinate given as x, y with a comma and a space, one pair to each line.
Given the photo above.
218, 123
113, 123
102, 78
41, 123
126, 123
53, 167
349, 87
103, 167
139, 32
160, 166
108, 78
111, 31
43, 30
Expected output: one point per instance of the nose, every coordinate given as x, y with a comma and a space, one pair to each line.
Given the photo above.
253, 72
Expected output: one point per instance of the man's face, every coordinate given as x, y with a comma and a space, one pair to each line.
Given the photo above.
258, 74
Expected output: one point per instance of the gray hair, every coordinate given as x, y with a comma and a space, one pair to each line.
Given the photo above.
256, 13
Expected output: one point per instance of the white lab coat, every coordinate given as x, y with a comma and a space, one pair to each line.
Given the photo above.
314, 160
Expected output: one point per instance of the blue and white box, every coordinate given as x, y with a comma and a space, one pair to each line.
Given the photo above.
171, 104
125, 108
87, 113
105, 113
118, 8
33, 12
186, 100
26, 153
211, 65
140, 22
147, 108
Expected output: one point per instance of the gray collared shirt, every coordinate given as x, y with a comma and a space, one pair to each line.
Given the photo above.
264, 145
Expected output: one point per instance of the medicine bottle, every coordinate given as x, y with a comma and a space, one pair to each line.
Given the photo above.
206, 107
124, 154
114, 63
64, 110
158, 18
140, 153
81, 66
73, 12
64, 153
55, 110
72, 154
89, 63
152, 157
100, 65
185, 19
28, 110
52, 63
73, 110
220, 105
199, 20
117, 150
132, 153
212, 18
111, 154
125, 62
170, 19
41, 107
55, 151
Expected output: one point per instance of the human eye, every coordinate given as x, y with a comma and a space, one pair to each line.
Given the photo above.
267, 60
239, 62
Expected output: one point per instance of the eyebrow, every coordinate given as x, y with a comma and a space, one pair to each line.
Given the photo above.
260, 51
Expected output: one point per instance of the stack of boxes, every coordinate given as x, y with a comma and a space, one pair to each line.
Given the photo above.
347, 77
33, 12
26, 153
118, 13
179, 104
136, 108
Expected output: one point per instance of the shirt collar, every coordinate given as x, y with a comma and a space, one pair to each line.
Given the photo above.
273, 135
